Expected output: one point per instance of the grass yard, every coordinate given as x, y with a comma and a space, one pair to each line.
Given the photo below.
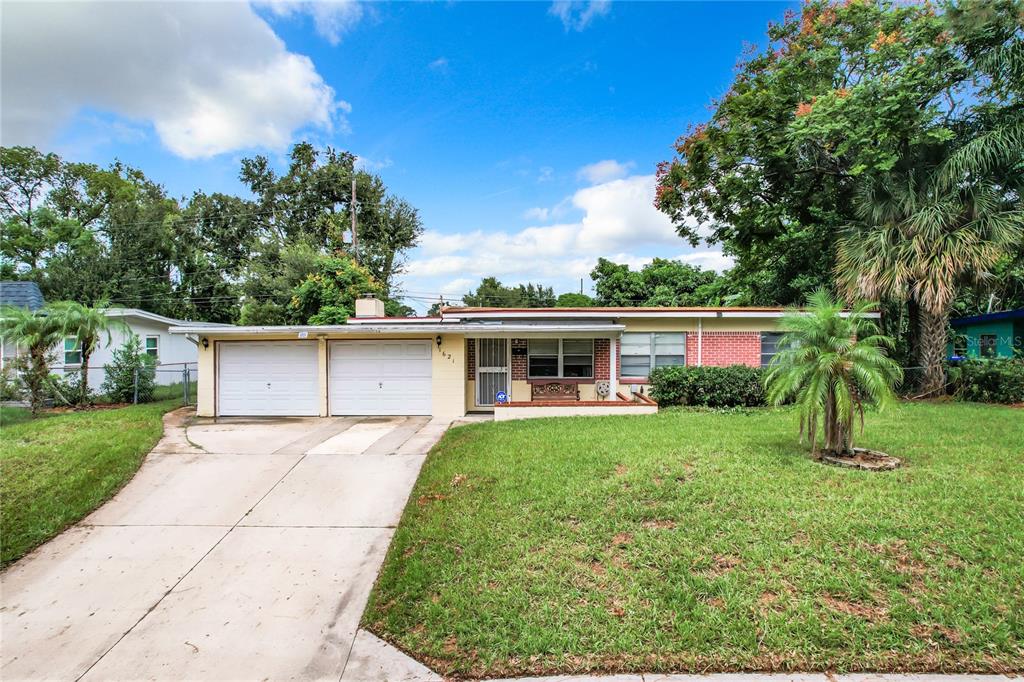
57, 468
698, 541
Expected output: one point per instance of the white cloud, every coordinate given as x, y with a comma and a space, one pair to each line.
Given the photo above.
373, 165
576, 15
331, 18
603, 171
210, 77
545, 174
440, 64
617, 221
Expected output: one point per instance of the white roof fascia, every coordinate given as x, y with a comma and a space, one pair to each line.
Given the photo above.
627, 314
463, 329
146, 315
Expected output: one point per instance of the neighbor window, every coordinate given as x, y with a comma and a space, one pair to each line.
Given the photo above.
987, 345
769, 346
960, 346
560, 358
153, 347
72, 351
641, 352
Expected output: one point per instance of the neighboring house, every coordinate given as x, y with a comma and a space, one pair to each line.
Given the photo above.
993, 335
172, 353
514, 362
18, 295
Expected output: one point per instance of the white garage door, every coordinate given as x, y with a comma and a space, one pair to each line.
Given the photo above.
268, 378
380, 377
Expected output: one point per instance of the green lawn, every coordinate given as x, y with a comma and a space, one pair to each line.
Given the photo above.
699, 541
57, 468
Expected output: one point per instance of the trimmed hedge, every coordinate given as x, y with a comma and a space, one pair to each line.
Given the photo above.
989, 381
733, 386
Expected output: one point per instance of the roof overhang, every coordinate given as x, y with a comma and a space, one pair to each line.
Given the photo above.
477, 330
616, 314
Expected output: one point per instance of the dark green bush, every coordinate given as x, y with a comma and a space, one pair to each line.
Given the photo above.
989, 381
733, 386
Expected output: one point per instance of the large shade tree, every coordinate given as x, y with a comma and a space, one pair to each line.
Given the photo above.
841, 92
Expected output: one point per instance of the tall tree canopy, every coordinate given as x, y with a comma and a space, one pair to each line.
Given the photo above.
841, 91
659, 283
91, 234
493, 294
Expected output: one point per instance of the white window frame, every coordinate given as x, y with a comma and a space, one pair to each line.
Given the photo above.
77, 348
651, 354
146, 349
778, 337
561, 360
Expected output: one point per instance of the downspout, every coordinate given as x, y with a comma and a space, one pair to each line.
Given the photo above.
700, 342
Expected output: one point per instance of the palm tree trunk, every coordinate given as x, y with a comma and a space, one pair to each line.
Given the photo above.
84, 384
933, 350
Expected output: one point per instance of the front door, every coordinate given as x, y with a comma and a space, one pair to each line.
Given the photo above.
491, 370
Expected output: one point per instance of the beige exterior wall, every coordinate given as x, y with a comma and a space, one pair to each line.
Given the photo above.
520, 391
205, 406
449, 377
448, 365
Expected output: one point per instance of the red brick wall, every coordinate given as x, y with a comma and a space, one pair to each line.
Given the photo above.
721, 349
602, 348
471, 359
519, 361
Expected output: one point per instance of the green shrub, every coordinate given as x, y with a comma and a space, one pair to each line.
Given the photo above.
733, 386
990, 381
127, 363
11, 387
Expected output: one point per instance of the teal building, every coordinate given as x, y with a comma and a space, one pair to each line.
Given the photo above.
994, 335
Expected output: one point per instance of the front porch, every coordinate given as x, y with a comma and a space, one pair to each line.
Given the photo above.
518, 377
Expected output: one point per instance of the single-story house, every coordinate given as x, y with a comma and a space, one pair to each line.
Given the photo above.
512, 362
17, 295
171, 353
993, 335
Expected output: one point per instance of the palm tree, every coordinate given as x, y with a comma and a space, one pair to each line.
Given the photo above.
929, 226
38, 332
87, 325
830, 363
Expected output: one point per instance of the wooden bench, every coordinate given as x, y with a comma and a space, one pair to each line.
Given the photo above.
555, 390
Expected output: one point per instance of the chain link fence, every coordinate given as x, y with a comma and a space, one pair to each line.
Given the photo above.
108, 384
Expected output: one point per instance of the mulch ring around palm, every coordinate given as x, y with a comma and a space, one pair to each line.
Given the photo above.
862, 458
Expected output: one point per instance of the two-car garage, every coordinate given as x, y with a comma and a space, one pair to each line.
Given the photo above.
363, 377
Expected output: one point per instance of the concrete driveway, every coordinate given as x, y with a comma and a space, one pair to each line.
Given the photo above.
244, 549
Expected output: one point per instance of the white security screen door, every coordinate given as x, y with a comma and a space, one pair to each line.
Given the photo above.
491, 370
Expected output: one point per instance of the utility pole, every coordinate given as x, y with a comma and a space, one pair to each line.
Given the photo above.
352, 206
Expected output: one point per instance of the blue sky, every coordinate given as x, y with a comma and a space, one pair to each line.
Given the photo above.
526, 133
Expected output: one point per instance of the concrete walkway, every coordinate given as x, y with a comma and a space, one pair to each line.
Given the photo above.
244, 549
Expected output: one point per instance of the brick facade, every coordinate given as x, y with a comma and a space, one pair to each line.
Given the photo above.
470, 359
721, 349
602, 348
519, 361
